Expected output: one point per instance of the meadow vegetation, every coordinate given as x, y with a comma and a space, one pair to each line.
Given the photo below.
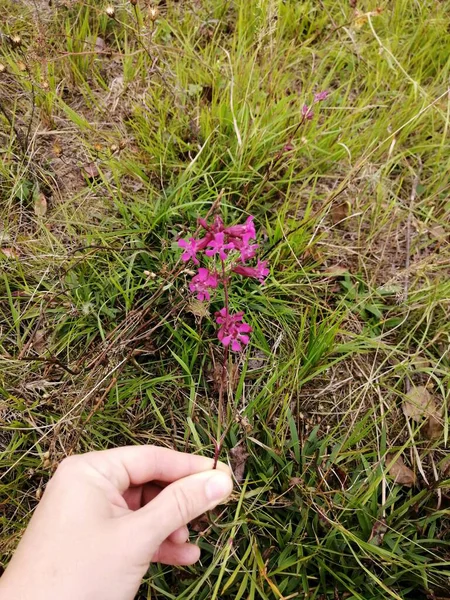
120, 125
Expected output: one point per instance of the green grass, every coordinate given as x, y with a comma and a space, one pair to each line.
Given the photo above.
99, 344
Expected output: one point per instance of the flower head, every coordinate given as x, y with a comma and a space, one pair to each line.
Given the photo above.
246, 232
321, 96
232, 330
191, 247
202, 282
307, 112
259, 272
247, 251
217, 245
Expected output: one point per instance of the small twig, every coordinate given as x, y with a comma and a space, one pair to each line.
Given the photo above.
235, 125
383, 481
49, 361
107, 53
408, 229
412, 199
436, 478
99, 402
416, 452
218, 444
33, 102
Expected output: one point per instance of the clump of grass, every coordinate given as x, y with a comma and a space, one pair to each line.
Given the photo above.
130, 126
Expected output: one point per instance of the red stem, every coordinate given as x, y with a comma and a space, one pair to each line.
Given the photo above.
223, 379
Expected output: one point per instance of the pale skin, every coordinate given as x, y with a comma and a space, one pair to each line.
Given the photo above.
105, 516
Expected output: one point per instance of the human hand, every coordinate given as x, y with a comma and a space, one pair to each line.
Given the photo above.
103, 518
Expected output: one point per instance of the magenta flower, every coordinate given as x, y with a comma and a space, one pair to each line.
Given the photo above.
232, 331
246, 232
202, 282
307, 112
191, 247
247, 251
218, 224
217, 243
223, 316
216, 227
218, 246
259, 272
321, 96
204, 223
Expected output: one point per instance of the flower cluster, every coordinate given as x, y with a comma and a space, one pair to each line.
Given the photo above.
232, 330
307, 111
227, 249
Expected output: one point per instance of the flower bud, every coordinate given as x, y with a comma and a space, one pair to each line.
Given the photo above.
153, 13
109, 10
16, 40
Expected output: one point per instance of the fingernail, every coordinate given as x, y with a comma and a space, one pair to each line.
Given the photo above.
218, 487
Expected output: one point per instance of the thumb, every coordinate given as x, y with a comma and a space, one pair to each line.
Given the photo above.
182, 501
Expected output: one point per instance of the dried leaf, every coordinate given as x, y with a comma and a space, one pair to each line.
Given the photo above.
257, 360
90, 171
215, 375
40, 205
295, 481
244, 423
200, 524
401, 474
234, 376
445, 466
340, 211
239, 456
9, 252
99, 44
421, 363
203, 522
230, 378
56, 149
378, 531
438, 232
39, 340
433, 428
336, 271
419, 404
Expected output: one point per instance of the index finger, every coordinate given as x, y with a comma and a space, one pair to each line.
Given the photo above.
136, 465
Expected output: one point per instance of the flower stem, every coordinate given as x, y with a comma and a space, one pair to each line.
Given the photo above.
223, 381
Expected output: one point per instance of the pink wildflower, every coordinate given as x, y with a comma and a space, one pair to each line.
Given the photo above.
216, 227
232, 330
246, 232
218, 224
247, 250
259, 272
321, 96
203, 222
307, 112
218, 246
191, 247
202, 282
